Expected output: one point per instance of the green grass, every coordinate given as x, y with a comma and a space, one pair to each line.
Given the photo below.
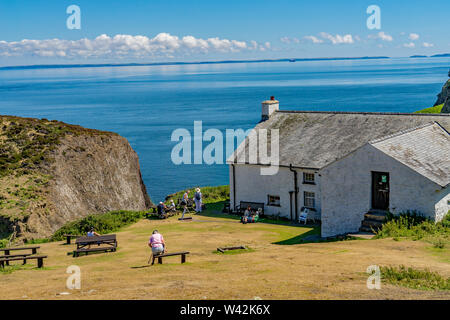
435, 109
415, 279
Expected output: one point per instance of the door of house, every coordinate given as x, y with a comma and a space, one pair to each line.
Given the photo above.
380, 190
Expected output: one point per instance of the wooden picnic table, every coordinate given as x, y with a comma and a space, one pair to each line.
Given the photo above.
69, 237
8, 250
84, 243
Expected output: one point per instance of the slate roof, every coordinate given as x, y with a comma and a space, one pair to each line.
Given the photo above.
314, 139
425, 149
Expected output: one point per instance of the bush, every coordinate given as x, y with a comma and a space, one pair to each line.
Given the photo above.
102, 223
413, 224
413, 278
3, 243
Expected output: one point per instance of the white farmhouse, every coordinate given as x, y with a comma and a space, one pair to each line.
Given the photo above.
343, 165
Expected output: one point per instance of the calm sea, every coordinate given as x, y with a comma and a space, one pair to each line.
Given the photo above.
145, 104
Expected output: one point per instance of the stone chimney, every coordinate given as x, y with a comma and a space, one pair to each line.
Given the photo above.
269, 107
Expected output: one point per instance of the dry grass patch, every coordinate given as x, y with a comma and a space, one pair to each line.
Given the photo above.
334, 270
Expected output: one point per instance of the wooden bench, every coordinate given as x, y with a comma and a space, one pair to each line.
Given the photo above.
253, 205
69, 237
8, 250
84, 243
160, 256
15, 256
77, 252
5, 259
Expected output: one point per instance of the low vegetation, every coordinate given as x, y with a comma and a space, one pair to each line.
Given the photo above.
102, 223
413, 225
414, 278
3, 243
25, 143
210, 194
435, 109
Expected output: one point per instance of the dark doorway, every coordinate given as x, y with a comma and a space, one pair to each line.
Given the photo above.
380, 190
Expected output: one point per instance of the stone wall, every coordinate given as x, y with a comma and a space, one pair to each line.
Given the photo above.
347, 183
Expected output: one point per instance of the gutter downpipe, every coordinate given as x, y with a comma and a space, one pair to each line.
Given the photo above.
296, 191
290, 203
234, 187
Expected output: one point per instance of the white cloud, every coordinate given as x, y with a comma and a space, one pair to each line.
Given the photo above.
409, 45
288, 40
313, 39
338, 39
382, 36
163, 44
413, 36
427, 45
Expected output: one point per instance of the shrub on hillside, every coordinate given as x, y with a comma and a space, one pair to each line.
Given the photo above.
102, 223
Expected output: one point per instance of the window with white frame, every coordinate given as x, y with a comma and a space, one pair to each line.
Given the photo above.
309, 199
308, 178
273, 200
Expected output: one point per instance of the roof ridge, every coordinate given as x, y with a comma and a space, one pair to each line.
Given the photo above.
368, 113
402, 132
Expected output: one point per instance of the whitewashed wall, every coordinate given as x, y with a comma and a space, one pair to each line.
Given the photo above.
442, 203
347, 184
252, 186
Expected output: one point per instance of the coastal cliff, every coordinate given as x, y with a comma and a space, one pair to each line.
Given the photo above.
444, 97
52, 173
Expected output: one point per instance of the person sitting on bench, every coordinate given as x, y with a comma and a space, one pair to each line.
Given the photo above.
172, 207
162, 210
247, 213
92, 233
157, 243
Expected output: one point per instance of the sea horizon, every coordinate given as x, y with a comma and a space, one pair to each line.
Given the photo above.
162, 63
145, 104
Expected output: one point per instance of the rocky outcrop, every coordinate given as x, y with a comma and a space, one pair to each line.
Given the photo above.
79, 172
444, 97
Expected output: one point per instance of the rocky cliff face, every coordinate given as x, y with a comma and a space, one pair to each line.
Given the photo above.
444, 97
52, 173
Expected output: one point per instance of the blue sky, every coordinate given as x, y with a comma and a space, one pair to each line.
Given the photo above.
193, 30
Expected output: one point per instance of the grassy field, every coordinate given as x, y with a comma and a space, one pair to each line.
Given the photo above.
277, 266
435, 109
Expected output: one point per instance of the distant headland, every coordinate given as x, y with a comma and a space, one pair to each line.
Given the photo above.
100, 65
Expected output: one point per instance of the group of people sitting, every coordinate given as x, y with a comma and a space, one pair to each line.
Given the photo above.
250, 216
164, 209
